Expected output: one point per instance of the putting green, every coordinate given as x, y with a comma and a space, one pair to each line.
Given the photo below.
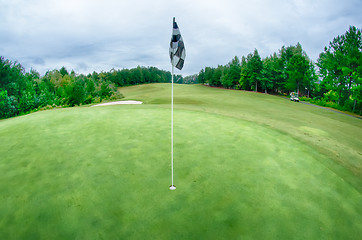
103, 173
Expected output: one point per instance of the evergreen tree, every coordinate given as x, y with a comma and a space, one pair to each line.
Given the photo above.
252, 75
298, 73
341, 69
231, 74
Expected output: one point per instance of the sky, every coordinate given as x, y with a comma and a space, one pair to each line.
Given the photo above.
91, 35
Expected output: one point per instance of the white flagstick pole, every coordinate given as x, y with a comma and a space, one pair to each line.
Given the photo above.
172, 187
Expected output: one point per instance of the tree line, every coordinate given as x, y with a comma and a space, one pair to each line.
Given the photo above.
288, 70
22, 92
334, 81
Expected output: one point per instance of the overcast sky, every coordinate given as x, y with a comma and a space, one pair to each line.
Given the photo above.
98, 35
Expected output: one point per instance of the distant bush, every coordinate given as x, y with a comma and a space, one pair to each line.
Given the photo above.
96, 100
47, 107
28, 101
8, 105
324, 103
116, 95
303, 98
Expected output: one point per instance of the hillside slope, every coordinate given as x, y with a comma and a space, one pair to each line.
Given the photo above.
335, 135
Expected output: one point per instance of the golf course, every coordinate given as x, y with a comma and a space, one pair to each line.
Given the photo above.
247, 165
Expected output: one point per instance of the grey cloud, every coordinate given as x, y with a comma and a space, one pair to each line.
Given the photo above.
38, 61
91, 35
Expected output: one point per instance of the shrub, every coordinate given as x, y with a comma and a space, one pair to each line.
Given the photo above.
8, 105
116, 95
97, 100
27, 102
303, 98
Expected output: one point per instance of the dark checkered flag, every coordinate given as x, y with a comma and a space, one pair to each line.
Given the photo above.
177, 47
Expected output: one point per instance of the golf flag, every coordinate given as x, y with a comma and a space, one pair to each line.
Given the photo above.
177, 48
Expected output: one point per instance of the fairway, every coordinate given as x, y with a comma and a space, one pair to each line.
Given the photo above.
247, 166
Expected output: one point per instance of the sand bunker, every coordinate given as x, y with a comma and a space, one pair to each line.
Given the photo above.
118, 102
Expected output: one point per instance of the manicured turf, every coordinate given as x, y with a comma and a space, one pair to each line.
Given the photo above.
247, 166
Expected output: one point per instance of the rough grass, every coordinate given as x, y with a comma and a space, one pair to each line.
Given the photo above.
247, 166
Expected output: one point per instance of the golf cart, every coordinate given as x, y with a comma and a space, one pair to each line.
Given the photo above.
294, 97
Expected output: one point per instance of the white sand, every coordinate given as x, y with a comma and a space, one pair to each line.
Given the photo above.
118, 102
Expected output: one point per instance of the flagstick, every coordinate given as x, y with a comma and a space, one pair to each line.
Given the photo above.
172, 187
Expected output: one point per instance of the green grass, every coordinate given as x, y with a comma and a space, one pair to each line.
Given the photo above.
247, 166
